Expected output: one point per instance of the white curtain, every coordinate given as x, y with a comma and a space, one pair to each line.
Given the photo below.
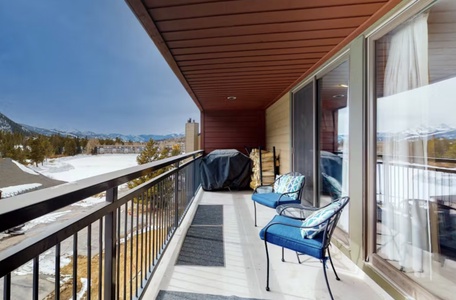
404, 227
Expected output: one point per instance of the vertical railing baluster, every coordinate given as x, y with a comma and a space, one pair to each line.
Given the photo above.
7, 287
57, 272
146, 237
100, 258
162, 218
142, 238
151, 226
176, 196
131, 247
154, 224
36, 274
89, 262
125, 250
118, 224
110, 248
136, 250
75, 265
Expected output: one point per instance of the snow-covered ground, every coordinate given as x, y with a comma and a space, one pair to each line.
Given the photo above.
71, 169
10, 191
78, 167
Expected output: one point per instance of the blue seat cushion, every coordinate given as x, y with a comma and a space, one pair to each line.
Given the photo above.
272, 199
290, 237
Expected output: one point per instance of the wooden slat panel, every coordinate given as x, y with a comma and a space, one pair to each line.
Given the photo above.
259, 58
245, 74
264, 38
298, 26
269, 17
239, 7
248, 70
259, 46
251, 48
245, 128
278, 132
250, 65
258, 52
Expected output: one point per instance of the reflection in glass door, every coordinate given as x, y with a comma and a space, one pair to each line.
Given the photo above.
333, 137
415, 148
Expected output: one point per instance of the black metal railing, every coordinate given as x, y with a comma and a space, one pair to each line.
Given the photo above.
108, 252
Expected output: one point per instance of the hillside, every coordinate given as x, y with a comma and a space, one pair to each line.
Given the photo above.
8, 125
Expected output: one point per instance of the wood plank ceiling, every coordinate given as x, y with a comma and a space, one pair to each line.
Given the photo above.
254, 50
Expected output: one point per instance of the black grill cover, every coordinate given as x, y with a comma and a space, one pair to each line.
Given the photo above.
225, 169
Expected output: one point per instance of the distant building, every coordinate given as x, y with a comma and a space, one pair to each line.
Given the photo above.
191, 136
119, 149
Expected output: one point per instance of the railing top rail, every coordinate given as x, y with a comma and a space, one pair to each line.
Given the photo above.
23, 208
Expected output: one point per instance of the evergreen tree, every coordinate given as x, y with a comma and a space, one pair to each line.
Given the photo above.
70, 147
37, 153
151, 153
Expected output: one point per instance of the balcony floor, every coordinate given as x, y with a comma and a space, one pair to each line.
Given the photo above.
244, 273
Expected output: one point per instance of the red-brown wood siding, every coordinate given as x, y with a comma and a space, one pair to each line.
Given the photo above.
233, 130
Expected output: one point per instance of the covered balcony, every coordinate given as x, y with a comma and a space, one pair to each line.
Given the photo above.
309, 78
132, 246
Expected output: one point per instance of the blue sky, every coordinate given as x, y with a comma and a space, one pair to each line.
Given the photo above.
86, 65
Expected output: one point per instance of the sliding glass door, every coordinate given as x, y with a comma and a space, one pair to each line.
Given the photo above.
304, 115
415, 134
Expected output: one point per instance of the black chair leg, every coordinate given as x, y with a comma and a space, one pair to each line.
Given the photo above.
254, 209
267, 265
332, 265
297, 256
283, 255
326, 277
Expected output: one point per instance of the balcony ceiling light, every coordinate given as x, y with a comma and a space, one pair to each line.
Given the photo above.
343, 85
231, 98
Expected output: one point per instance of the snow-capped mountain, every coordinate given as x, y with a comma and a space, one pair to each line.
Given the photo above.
8, 125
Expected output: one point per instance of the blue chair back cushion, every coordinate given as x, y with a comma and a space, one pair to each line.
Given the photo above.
272, 199
289, 183
290, 237
316, 218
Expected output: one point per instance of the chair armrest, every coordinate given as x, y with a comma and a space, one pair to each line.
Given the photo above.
294, 226
265, 188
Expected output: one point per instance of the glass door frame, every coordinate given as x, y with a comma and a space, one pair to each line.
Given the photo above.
343, 56
405, 12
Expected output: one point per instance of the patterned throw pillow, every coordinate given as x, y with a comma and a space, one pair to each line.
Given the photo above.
288, 183
316, 218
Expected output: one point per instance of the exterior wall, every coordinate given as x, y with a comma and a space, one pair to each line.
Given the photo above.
232, 130
278, 131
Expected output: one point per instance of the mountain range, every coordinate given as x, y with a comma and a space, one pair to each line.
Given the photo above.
8, 125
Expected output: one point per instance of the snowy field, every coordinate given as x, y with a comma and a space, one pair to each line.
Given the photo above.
70, 169
78, 167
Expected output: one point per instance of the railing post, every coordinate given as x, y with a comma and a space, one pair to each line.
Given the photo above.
176, 197
110, 248
194, 181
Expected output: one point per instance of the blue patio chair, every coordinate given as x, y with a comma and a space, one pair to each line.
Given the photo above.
309, 237
286, 189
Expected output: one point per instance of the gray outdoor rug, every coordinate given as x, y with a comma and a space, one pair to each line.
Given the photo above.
203, 244
208, 215
170, 295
